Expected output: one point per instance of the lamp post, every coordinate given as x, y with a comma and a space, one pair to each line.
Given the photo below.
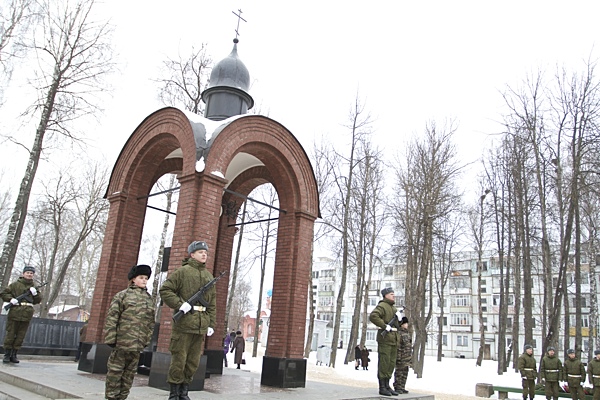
479, 268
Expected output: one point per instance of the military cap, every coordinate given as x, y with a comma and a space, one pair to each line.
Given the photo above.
570, 351
596, 352
197, 245
528, 346
29, 268
550, 348
386, 290
139, 270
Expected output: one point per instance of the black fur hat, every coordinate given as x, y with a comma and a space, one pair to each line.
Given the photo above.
139, 270
404, 320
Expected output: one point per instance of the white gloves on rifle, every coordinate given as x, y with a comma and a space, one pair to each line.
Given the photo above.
33, 290
399, 315
14, 301
389, 328
185, 307
210, 331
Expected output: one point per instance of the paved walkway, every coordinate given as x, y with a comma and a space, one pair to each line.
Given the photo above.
60, 379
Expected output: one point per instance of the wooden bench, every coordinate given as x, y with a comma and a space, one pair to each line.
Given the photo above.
504, 390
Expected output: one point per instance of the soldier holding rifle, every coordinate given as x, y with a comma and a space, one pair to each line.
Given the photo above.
187, 336
386, 317
21, 295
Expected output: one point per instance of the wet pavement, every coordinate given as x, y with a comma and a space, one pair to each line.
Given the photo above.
60, 379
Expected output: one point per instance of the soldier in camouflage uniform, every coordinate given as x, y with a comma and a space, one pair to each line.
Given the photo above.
128, 329
526, 365
404, 357
20, 313
387, 339
593, 371
187, 335
551, 373
574, 373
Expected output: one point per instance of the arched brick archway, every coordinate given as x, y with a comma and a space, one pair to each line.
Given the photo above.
242, 153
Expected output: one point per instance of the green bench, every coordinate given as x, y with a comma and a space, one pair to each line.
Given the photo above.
504, 390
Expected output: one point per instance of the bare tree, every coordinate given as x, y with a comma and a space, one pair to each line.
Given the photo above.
73, 56
187, 79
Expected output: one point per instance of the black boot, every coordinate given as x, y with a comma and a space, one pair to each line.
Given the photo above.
392, 391
174, 393
13, 357
383, 390
183, 391
7, 354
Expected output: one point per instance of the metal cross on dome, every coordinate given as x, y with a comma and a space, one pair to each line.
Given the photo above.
238, 23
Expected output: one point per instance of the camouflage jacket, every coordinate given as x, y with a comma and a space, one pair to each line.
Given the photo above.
14, 290
551, 369
593, 371
130, 320
182, 284
526, 365
573, 370
404, 346
382, 314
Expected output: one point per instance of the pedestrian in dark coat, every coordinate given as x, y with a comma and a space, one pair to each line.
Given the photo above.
82, 335
239, 345
387, 339
128, 329
20, 312
357, 355
364, 358
574, 374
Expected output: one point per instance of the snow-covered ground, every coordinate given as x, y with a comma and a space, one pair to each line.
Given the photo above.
450, 379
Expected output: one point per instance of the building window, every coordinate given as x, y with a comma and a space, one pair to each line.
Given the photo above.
371, 335
373, 301
460, 319
461, 301
462, 340
496, 300
439, 303
444, 340
388, 271
444, 322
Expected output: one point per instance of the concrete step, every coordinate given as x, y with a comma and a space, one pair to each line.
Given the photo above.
10, 392
15, 387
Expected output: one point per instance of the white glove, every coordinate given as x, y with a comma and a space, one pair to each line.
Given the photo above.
388, 328
33, 290
14, 302
399, 315
210, 331
185, 307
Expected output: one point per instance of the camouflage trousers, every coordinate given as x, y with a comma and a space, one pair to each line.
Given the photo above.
575, 389
386, 362
122, 366
15, 333
186, 350
400, 375
528, 388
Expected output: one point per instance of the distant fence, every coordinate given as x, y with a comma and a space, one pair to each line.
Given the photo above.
47, 337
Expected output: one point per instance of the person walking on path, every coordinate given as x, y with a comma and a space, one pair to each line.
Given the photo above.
574, 374
551, 373
20, 312
227, 342
187, 335
239, 345
526, 365
387, 339
404, 358
82, 335
364, 358
593, 371
357, 356
128, 329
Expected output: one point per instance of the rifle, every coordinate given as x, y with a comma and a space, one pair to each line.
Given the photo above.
24, 296
393, 320
198, 297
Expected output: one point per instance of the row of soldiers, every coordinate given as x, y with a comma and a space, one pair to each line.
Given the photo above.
552, 371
